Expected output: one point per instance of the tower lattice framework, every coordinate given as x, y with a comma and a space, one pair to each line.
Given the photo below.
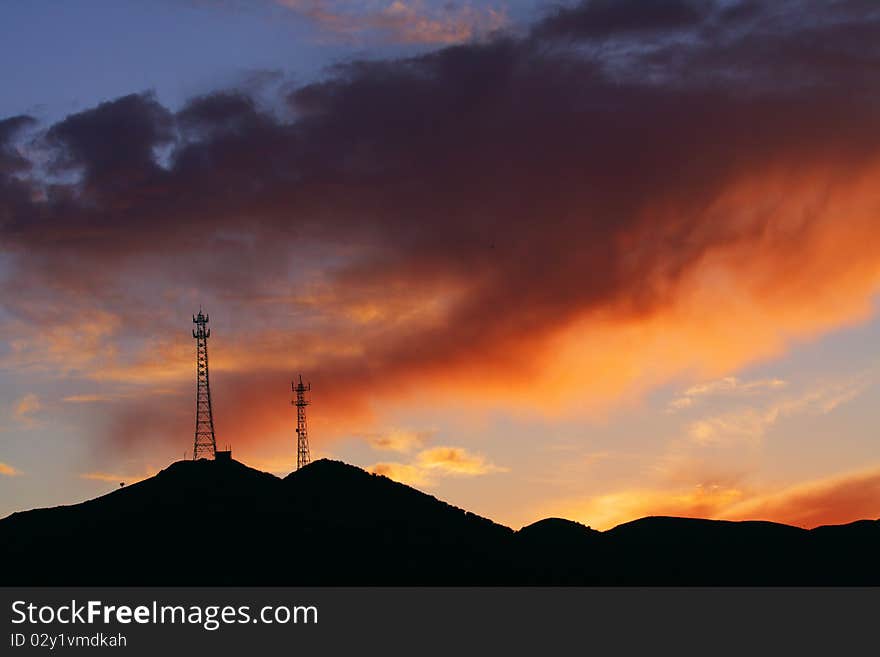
303, 457
205, 445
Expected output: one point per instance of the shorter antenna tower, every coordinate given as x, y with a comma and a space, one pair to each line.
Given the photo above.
302, 433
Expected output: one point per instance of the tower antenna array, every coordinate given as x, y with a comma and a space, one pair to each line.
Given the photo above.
302, 433
205, 445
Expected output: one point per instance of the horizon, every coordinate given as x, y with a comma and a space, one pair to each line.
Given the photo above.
572, 260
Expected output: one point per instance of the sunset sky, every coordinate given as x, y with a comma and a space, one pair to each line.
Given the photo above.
597, 260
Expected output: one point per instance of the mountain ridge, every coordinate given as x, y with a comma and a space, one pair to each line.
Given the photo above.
222, 522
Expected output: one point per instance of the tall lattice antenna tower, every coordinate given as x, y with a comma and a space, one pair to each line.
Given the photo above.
302, 433
205, 445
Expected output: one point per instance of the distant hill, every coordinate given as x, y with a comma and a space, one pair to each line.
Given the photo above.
215, 522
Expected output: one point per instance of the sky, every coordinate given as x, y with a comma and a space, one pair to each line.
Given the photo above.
596, 260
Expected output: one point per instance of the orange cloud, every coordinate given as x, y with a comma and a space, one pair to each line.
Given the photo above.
397, 440
780, 293
8, 471
403, 473
455, 461
64, 345
436, 461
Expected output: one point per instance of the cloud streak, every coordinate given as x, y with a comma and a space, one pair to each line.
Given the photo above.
750, 423
729, 385
411, 22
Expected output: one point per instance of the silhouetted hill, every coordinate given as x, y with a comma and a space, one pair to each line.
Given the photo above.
694, 549
367, 528
215, 522
555, 551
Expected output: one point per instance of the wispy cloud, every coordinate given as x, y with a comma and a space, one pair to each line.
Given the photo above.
399, 440
69, 345
106, 397
25, 408
752, 422
415, 21
727, 386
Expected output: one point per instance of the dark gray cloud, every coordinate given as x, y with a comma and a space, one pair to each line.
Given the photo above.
608, 18
114, 144
11, 160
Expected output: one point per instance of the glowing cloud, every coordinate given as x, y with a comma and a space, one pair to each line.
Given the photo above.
403, 473
434, 462
398, 440
8, 471
455, 461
